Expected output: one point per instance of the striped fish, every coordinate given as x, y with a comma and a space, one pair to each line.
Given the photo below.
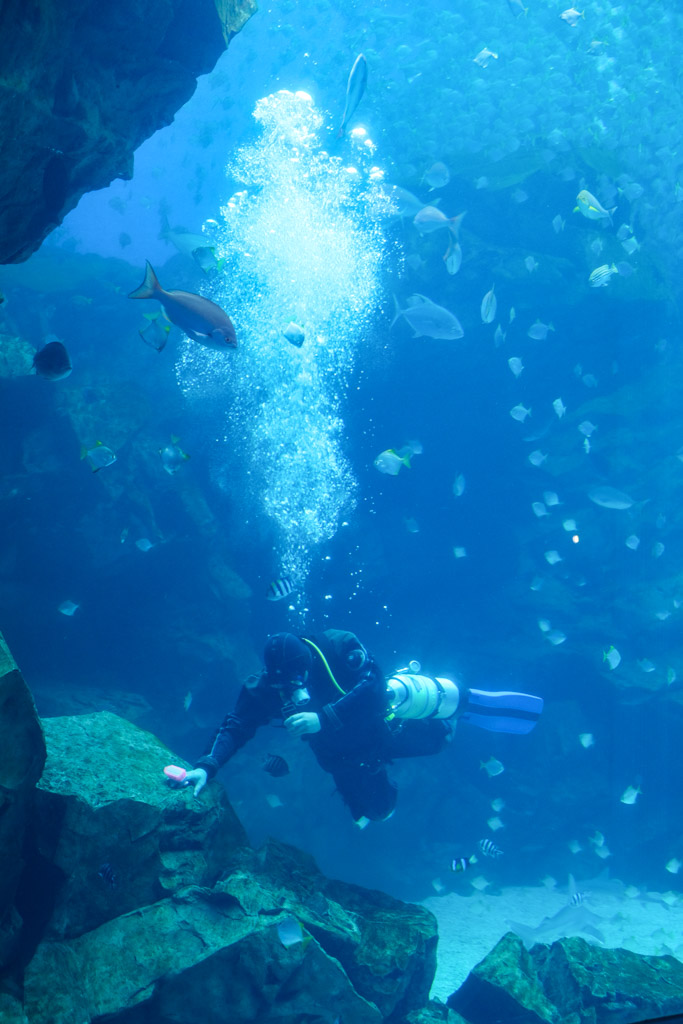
279, 588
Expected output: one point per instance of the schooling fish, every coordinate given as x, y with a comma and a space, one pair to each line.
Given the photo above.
428, 320
354, 90
201, 319
99, 456
52, 361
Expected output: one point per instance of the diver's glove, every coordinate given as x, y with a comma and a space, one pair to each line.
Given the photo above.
301, 723
197, 778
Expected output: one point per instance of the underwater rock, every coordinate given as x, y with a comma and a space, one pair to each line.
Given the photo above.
568, 980
386, 947
16, 356
199, 960
83, 85
206, 955
23, 756
112, 833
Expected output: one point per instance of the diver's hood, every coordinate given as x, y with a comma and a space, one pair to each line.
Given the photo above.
287, 658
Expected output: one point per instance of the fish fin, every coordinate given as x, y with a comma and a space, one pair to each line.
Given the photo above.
149, 287
398, 312
84, 451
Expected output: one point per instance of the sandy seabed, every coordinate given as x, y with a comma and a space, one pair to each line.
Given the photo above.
471, 925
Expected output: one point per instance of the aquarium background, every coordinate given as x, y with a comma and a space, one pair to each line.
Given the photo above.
282, 441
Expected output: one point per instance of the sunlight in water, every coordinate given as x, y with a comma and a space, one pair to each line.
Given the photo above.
300, 241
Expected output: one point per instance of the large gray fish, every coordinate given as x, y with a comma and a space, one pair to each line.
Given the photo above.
354, 90
429, 320
201, 319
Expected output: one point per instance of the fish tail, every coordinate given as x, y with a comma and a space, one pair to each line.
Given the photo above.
455, 222
149, 287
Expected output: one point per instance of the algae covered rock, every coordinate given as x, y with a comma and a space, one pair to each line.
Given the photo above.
113, 831
206, 955
194, 958
23, 756
569, 981
386, 947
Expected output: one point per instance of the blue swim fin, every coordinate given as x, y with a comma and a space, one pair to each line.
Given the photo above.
502, 711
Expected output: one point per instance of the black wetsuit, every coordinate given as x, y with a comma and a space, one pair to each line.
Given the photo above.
355, 742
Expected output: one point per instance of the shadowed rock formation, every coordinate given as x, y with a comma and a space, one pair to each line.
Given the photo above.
82, 85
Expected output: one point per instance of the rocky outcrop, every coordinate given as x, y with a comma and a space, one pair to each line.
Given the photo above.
570, 980
82, 84
23, 756
143, 903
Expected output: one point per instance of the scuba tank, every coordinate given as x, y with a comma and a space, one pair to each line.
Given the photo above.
412, 695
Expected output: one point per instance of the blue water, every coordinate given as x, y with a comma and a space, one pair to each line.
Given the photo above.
282, 441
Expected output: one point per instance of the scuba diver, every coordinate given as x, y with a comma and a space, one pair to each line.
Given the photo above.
329, 690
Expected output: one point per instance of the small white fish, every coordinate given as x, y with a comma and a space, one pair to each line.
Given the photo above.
630, 245
520, 413
494, 824
411, 525
498, 804
68, 608
459, 486
586, 739
187, 700
630, 794
558, 224
571, 16
539, 331
612, 657
144, 544
609, 497
273, 800
549, 882
587, 428
569, 525
536, 584
437, 176
512, 314
544, 625
551, 499
603, 852
674, 865
556, 637
574, 846
539, 509
290, 932
537, 458
586, 445
437, 885
499, 336
391, 461
516, 365
559, 407
489, 305
670, 676
531, 264
632, 542
453, 257
460, 552
645, 665
484, 57
294, 334
553, 557
479, 883
492, 767
657, 549
597, 839
590, 380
